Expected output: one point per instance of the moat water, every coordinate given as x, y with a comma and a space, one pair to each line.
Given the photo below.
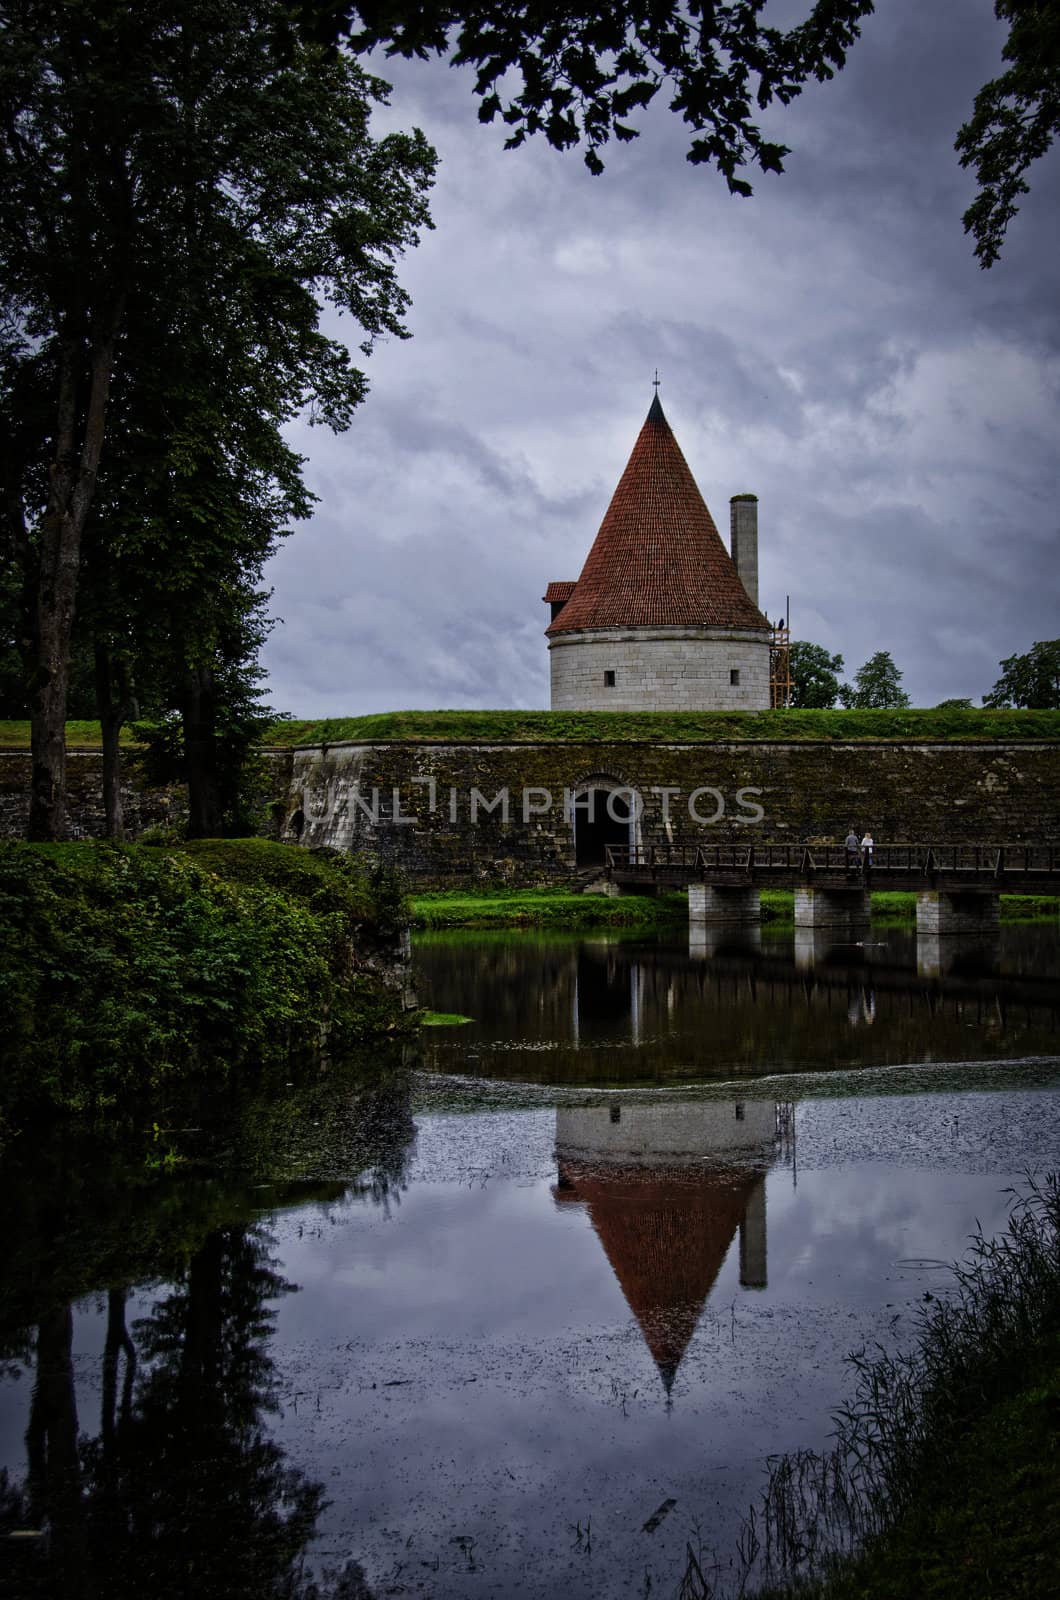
525, 1313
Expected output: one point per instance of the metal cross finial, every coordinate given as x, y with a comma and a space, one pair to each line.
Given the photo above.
655, 380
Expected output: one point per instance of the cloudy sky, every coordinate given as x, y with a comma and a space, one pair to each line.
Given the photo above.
830, 344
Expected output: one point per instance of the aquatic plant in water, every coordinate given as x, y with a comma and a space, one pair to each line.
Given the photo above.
911, 1412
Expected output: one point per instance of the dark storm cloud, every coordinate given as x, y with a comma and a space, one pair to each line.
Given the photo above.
831, 344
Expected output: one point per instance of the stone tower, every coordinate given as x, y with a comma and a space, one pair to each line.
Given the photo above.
662, 618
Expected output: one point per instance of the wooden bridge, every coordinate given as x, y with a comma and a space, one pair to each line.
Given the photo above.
1000, 868
956, 885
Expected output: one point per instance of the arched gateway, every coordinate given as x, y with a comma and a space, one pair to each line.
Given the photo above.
603, 815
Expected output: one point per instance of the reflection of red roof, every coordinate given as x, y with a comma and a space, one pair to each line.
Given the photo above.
666, 1233
658, 559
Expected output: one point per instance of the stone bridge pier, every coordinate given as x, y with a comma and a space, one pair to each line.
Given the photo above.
723, 905
947, 911
842, 911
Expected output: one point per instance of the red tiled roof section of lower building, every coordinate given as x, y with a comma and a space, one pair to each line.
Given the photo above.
658, 559
560, 590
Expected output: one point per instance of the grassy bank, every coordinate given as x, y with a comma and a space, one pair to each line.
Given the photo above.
670, 727
889, 905
946, 1471
665, 727
541, 908
125, 969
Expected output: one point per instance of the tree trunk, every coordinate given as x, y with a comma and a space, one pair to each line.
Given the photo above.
117, 1343
114, 705
51, 1448
199, 715
72, 483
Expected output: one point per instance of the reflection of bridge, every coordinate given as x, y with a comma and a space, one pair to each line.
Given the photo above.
970, 986
956, 885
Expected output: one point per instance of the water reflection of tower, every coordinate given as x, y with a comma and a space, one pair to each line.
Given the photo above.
667, 1188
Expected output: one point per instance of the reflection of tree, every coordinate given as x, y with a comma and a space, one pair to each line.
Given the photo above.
53, 1479
201, 1489
182, 1492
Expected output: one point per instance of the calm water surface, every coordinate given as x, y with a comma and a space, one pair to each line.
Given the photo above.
526, 1318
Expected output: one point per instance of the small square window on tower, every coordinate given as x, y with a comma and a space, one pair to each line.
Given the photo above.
734, 676
609, 680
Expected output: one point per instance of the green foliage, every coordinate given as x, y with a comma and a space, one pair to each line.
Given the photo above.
1030, 681
15, 646
957, 703
180, 200
877, 686
814, 685
125, 968
1015, 120
580, 75
237, 782
577, 76
388, 890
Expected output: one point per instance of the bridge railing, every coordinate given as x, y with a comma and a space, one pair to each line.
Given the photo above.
651, 858
981, 861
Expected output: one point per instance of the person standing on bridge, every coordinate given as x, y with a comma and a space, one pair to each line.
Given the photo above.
867, 844
853, 851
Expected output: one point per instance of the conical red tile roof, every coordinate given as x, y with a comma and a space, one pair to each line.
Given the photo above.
658, 559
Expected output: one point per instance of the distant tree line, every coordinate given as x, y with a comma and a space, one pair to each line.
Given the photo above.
1030, 681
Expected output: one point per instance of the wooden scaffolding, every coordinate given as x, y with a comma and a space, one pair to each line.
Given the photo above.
780, 666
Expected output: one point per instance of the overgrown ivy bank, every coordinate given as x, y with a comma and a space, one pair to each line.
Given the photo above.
129, 968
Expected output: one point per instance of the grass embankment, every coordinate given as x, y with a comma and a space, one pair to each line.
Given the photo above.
79, 735
890, 905
543, 908
556, 908
668, 727
128, 968
947, 1464
656, 727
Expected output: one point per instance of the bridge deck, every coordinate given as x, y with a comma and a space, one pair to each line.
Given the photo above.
1001, 868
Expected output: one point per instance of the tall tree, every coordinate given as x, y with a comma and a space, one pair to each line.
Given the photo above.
200, 485
1029, 680
1015, 120
168, 167
814, 684
877, 685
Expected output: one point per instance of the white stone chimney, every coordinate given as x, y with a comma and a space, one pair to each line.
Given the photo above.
743, 540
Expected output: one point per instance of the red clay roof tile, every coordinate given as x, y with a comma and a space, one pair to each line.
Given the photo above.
658, 559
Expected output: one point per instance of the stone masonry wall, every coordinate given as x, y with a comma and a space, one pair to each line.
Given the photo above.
144, 807
490, 812
461, 813
672, 669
